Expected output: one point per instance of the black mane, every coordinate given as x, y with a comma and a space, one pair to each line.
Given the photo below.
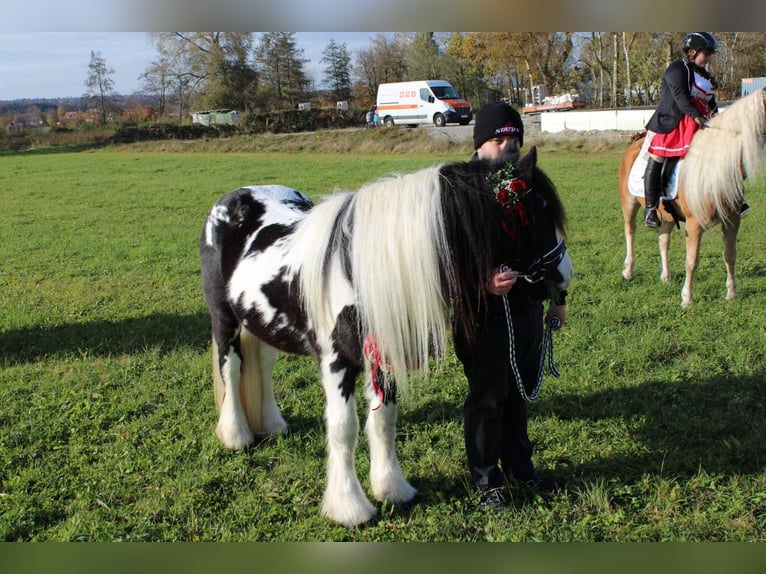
473, 223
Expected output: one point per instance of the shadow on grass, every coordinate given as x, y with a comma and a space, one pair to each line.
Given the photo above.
105, 338
53, 149
715, 425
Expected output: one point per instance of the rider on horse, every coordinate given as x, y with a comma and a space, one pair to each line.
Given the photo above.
686, 103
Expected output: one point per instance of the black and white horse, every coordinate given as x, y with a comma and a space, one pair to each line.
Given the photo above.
369, 282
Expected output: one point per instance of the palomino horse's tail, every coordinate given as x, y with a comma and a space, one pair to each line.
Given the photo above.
722, 156
385, 248
255, 384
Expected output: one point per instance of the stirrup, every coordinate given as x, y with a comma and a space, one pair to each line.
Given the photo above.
651, 219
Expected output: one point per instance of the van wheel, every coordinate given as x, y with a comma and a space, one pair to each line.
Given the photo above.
389, 122
439, 121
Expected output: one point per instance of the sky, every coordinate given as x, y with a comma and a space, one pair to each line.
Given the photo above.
55, 64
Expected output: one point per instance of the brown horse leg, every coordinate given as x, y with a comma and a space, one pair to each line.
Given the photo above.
666, 228
693, 237
630, 207
729, 231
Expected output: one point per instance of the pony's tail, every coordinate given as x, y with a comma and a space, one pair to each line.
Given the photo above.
255, 384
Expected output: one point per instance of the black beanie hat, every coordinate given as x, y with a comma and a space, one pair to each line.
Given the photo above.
497, 119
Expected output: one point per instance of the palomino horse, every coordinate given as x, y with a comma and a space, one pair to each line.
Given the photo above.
366, 282
710, 187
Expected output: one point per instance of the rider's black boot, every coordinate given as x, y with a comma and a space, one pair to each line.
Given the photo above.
652, 177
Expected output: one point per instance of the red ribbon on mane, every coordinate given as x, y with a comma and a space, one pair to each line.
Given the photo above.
372, 354
518, 208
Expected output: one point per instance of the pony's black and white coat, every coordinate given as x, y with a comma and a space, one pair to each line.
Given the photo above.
391, 261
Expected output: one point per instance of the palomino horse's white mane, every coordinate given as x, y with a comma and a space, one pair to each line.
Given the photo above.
721, 156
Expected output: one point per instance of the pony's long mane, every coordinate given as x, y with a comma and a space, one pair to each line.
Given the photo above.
721, 156
388, 243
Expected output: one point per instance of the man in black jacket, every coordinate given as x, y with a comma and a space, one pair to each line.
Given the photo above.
495, 414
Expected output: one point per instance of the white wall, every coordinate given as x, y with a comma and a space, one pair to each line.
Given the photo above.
625, 120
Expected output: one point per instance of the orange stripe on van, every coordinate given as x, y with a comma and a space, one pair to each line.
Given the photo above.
397, 107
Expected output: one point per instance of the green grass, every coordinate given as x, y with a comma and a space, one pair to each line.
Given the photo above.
106, 406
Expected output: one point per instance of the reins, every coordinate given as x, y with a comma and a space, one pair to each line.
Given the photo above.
547, 351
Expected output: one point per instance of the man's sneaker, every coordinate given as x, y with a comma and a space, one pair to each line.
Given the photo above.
492, 499
744, 209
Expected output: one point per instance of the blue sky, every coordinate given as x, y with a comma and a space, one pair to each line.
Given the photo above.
55, 64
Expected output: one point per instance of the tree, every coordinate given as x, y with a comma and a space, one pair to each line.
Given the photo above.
100, 85
220, 62
177, 75
465, 75
280, 64
384, 62
337, 74
424, 57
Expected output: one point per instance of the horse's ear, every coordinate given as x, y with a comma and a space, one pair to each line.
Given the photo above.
528, 163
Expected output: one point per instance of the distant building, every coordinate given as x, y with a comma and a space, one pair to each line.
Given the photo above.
215, 117
749, 85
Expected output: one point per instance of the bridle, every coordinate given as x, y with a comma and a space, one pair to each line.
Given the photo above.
536, 270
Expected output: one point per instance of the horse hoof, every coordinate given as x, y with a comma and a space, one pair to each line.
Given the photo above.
234, 439
350, 515
276, 427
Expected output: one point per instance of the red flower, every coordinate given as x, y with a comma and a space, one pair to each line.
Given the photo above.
502, 196
518, 186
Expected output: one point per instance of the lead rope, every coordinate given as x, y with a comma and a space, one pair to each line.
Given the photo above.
547, 351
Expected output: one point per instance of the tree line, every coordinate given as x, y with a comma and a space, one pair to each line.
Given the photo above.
260, 73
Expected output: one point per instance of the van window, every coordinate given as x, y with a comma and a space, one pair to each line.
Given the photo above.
425, 95
445, 92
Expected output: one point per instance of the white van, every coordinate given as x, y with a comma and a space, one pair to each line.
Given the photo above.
421, 102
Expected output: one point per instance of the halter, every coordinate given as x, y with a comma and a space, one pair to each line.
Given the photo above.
536, 270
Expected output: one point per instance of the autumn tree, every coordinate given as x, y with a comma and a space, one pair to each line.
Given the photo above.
99, 84
467, 76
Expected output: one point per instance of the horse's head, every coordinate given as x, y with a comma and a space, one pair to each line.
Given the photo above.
533, 223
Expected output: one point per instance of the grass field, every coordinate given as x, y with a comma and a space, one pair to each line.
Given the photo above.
107, 419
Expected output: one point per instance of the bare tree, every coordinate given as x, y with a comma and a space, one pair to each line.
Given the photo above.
384, 62
100, 86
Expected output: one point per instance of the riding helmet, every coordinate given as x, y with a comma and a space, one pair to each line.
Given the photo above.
700, 41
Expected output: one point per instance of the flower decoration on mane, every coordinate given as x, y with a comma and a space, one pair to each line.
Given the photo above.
510, 188
508, 185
